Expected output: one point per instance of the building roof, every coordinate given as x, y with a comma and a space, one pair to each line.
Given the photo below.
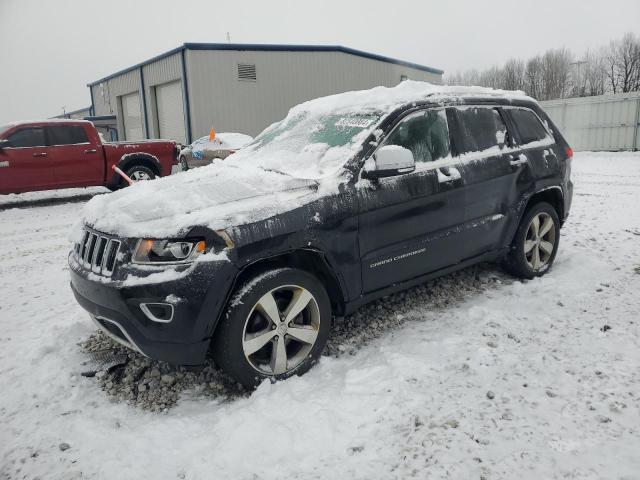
257, 47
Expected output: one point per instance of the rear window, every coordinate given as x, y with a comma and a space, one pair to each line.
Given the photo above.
67, 135
529, 127
480, 128
27, 137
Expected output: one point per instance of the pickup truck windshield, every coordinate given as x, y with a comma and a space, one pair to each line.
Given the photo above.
3, 129
309, 146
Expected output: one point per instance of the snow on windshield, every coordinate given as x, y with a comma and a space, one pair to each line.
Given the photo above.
307, 145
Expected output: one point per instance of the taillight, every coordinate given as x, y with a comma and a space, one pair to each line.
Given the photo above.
569, 152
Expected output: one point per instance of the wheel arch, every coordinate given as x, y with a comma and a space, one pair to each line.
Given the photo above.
145, 159
551, 195
308, 259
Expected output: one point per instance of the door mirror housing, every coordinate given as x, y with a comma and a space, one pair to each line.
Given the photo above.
4, 143
391, 160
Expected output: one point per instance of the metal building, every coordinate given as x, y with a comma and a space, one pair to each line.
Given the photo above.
185, 92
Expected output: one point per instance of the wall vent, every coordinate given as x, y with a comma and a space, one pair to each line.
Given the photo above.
247, 71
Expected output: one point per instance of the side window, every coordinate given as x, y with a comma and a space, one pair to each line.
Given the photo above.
426, 134
480, 128
528, 125
27, 137
67, 135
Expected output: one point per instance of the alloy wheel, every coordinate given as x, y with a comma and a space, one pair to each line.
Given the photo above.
138, 175
540, 241
281, 330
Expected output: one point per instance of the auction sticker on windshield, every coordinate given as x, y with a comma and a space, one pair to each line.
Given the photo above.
360, 122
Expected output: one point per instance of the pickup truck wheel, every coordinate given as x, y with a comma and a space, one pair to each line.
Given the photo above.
276, 326
139, 173
536, 242
184, 165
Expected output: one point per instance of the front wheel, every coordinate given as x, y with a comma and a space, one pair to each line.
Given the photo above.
535, 244
276, 326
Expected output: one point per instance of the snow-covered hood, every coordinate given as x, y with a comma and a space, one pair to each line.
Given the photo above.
217, 196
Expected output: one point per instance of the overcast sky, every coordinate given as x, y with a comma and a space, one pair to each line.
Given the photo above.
50, 50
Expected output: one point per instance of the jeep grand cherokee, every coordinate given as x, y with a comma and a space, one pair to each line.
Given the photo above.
349, 198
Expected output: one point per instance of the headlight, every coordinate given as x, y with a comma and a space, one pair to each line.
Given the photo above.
168, 251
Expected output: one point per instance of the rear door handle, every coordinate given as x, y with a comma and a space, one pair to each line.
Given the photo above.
519, 160
41, 154
448, 174
93, 150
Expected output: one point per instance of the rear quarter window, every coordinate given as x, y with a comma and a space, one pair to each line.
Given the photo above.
528, 125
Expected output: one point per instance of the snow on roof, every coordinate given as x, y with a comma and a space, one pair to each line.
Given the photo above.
389, 98
15, 123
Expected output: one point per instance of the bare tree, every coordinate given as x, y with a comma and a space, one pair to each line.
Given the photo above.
555, 74
513, 75
622, 64
533, 77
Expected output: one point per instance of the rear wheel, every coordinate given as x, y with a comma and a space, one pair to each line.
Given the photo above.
535, 244
139, 173
276, 326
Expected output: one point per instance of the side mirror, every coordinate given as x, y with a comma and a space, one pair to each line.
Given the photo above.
4, 143
391, 160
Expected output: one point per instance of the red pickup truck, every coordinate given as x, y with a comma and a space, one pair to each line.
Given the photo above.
69, 153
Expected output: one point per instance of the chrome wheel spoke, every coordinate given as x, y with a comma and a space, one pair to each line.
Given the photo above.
528, 245
535, 257
267, 305
279, 356
299, 302
535, 226
305, 334
546, 226
257, 341
547, 247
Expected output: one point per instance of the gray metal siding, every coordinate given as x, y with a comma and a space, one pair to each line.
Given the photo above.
157, 73
106, 95
219, 100
605, 122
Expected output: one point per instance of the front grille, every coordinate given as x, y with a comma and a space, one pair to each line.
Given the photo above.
97, 253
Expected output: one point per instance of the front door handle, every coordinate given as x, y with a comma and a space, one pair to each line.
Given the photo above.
519, 160
92, 150
448, 174
40, 154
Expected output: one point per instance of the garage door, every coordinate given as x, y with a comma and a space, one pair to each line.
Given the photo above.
170, 111
132, 117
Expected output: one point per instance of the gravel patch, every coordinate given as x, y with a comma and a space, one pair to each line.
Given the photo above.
157, 386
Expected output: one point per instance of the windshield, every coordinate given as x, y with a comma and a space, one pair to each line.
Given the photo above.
309, 145
3, 129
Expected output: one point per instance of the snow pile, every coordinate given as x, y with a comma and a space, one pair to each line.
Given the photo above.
473, 375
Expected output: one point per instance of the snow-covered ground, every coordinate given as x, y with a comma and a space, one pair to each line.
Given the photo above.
500, 380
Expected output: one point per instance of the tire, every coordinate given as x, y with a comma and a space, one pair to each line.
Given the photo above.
139, 173
530, 241
183, 163
249, 346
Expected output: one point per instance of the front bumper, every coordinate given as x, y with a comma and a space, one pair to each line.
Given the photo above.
198, 296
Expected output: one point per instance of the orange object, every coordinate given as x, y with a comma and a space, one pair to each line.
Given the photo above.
122, 174
212, 135
200, 246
